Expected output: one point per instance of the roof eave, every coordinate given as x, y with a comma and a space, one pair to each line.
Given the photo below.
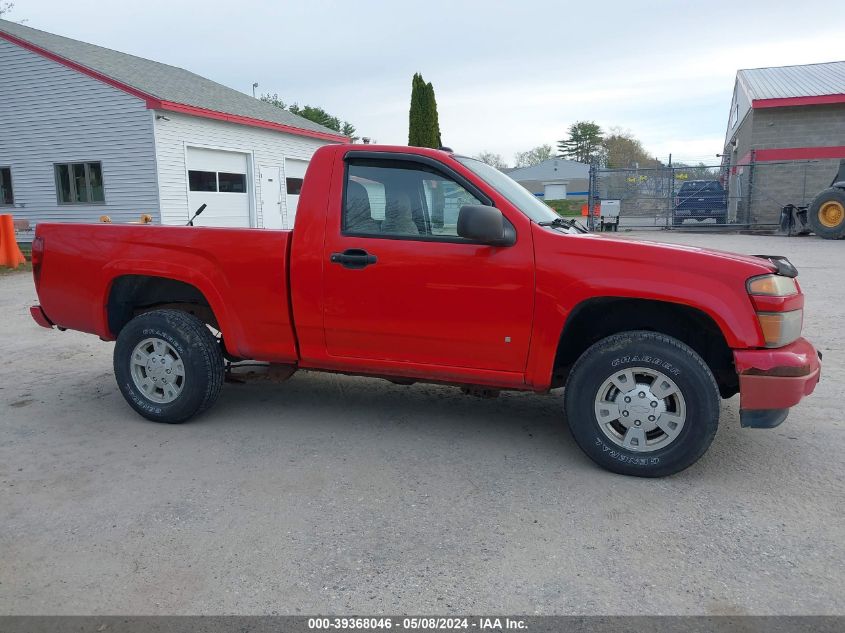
154, 103
183, 108
785, 102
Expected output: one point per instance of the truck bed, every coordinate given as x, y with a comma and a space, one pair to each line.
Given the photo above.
242, 273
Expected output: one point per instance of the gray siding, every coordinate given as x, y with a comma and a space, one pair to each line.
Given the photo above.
741, 106
49, 114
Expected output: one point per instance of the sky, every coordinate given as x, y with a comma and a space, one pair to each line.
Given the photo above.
508, 76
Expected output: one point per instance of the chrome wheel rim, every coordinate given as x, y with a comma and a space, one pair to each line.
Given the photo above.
640, 409
157, 370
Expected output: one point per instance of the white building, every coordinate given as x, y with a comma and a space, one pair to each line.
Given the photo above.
86, 131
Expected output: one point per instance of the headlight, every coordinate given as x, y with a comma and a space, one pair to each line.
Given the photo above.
780, 328
772, 286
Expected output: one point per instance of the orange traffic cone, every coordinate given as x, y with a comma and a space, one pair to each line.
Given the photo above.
10, 254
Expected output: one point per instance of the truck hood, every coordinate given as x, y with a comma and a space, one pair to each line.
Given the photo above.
574, 268
673, 254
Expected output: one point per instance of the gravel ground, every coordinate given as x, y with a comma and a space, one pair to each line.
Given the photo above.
330, 494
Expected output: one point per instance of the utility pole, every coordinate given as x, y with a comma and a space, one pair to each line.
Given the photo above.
671, 213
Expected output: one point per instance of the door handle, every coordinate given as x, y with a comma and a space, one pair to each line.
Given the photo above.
354, 258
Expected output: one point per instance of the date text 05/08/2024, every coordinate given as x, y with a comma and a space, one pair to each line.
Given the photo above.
418, 623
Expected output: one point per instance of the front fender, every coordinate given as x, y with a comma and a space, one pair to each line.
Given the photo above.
577, 269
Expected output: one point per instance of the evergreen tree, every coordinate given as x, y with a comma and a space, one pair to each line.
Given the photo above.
423, 123
584, 143
434, 119
416, 115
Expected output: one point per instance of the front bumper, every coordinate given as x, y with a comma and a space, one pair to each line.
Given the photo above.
772, 380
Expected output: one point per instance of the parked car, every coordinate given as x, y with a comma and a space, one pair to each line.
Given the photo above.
508, 296
700, 200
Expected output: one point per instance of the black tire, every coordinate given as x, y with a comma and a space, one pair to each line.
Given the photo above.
199, 352
659, 353
827, 198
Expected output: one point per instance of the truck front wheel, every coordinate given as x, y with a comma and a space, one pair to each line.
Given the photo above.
642, 403
168, 365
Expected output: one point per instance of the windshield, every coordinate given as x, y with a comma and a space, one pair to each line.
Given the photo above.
697, 186
515, 193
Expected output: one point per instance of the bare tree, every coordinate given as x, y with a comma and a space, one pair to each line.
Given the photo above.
533, 156
492, 159
6, 7
622, 149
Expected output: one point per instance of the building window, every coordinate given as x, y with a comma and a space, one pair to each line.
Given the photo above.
294, 186
202, 180
231, 183
223, 182
7, 197
79, 183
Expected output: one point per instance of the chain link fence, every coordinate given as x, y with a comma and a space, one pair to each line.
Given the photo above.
707, 197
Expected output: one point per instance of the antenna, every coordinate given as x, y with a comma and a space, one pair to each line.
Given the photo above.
200, 210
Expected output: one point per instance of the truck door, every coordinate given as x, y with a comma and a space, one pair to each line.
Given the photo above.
400, 285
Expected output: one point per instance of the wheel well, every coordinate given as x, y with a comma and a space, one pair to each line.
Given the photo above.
132, 295
596, 319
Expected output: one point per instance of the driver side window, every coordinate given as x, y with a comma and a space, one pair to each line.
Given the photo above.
401, 199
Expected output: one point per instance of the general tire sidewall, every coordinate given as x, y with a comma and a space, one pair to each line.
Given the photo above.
197, 362
697, 387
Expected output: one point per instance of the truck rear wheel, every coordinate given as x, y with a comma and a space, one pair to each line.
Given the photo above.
826, 215
168, 365
642, 403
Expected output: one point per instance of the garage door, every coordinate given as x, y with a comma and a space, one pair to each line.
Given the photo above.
294, 175
554, 191
220, 180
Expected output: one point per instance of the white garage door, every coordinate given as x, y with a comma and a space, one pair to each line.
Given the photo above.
219, 180
554, 191
294, 175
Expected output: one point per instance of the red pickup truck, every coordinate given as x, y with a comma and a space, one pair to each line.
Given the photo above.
414, 264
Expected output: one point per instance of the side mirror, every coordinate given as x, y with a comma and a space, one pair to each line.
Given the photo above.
486, 225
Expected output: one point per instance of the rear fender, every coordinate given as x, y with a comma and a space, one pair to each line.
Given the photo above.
229, 326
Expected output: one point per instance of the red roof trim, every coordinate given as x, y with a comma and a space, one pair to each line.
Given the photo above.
799, 153
784, 102
243, 120
154, 103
